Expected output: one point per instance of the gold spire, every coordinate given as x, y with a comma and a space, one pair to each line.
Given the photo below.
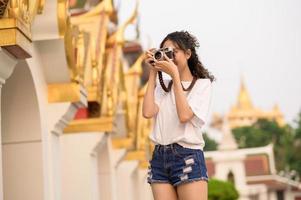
243, 113
244, 100
118, 36
104, 6
137, 66
276, 108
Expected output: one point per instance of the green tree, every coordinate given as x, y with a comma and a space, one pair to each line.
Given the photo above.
210, 144
221, 190
298, 126
294, 159
264, 132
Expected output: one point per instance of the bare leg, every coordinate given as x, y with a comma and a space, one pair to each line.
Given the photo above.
193, 191
164, 191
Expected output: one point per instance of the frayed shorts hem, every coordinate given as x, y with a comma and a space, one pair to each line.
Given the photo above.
179, 182
157, 181
190, 180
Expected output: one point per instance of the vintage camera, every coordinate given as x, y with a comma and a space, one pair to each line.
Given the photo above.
159, 54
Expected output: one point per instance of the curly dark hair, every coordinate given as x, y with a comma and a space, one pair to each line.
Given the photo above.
186, 41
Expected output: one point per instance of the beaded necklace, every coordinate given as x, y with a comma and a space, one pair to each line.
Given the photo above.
168, 88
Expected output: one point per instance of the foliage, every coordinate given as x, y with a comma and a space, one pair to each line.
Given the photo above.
221, 190
294, 159
210, 144
286, 141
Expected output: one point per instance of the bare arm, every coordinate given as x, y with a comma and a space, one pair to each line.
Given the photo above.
183, 109
149, 108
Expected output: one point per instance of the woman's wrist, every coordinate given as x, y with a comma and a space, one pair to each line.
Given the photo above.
152, 77
152, 73
175, 76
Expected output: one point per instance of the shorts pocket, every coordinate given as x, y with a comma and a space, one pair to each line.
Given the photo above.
182, 152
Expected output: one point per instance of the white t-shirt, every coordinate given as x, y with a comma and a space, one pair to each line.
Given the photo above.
168, 129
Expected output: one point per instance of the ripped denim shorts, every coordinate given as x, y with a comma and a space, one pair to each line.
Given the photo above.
176, 165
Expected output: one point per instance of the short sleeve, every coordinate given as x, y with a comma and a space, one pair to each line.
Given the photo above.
199, 102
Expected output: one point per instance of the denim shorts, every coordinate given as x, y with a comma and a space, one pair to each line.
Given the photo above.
176, 165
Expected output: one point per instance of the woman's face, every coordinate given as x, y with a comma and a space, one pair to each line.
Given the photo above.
180, 57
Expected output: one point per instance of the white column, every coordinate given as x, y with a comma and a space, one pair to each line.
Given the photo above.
58, 117
125, 179
107, 160
78, 165
227, 161
272, 195
1, 177
288, 193
7, 64
144, 189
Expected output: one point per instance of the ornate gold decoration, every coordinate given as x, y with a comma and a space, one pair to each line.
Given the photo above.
103, 124
16, 19
125, 87
132, 83
113, 70
13, 40
41, 6
118, 36
62, 16
111, 89
138, 126
104, 6
3, 5
97, 63
119, 143
129, 97
95, 22
68, 92
76, 47
144, 127
135, 155
143, 164
85, 39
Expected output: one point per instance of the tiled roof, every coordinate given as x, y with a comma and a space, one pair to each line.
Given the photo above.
257, 165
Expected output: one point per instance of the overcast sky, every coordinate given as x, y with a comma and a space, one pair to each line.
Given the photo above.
257, 39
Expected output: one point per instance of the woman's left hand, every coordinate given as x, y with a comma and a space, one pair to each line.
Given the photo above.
167, 66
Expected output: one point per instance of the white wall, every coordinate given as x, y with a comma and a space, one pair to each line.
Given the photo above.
78, 165
21, 137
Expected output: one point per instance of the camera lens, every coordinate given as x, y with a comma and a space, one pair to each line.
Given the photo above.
169, 54
158, 55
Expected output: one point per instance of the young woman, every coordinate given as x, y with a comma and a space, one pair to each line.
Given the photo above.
179, 107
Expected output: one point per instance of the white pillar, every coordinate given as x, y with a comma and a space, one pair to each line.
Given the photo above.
79, 165
125, 179
272, 195
288, 193
144, 189
107, 160
58, 117
7, 64
229, 161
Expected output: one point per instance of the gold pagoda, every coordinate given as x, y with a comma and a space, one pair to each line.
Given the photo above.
244, 113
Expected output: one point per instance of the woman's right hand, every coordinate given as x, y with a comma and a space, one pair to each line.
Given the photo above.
149, 108
149, 59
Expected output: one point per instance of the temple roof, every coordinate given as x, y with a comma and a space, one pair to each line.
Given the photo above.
243, 100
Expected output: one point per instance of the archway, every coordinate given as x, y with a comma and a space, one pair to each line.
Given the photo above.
21, 137
230, 177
